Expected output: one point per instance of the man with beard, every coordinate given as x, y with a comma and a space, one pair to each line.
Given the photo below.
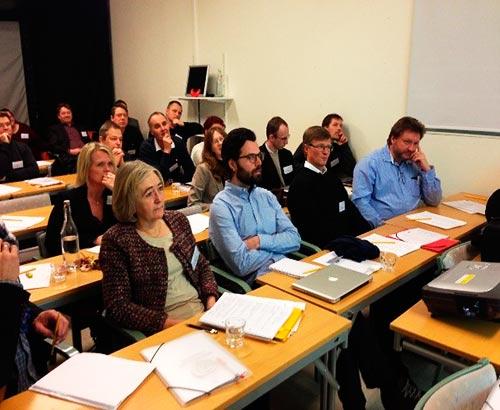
396, 178
247, 225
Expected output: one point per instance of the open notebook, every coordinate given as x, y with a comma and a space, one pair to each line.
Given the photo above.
194, 365
291, 267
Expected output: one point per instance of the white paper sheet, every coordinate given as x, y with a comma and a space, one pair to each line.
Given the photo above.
433, 219
7, 189
40, 276
470, 207
386, 244
419, 236
198, 222
95, 249
18, 223
94, 379
44, 181
291, 267
263, 316
367, 266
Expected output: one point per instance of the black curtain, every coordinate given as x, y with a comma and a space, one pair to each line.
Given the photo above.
67, 58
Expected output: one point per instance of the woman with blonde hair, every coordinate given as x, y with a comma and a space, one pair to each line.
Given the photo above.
153, 273
90, 199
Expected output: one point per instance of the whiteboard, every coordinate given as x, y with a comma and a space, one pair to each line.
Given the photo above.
454, 81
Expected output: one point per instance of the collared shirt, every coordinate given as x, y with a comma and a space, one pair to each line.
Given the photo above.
310, 166
276, 160
238, 213
383, 188
74, 136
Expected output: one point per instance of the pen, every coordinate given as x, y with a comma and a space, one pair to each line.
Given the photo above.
205, 328
55, 334
383, 242
420, 219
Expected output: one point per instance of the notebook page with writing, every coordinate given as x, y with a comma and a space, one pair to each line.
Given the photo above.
194, 365
291, 267
386, 244
418, 236
263, 316
433, 219
85, 378
471, 207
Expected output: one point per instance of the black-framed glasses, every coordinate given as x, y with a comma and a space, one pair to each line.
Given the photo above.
322, 147
252, 157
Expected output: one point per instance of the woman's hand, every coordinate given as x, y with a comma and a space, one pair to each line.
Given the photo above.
170, 322
109, 180
210, 302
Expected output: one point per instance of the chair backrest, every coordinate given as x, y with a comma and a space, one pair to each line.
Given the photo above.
466, 389
40, 240
26, 202
461, 252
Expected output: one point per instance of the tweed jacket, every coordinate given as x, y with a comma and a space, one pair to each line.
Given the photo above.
135, 274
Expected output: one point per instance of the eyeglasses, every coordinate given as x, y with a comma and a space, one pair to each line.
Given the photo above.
322, 147
252, 157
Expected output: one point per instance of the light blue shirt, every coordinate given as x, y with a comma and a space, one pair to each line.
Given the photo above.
382, 188
237, 214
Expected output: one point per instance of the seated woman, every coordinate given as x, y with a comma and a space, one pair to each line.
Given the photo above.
90, 199
208, 179
153, 274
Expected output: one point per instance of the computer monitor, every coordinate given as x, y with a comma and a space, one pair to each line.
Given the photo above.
197, 79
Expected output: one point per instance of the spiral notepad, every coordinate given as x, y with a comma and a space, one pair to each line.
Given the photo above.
296, 269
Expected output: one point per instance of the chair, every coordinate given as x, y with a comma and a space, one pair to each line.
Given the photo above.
460, 252
42, 249
466, 389
306, 249
26, 202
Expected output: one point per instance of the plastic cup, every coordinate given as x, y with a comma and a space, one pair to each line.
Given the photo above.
59, 272
388, 261
235, 332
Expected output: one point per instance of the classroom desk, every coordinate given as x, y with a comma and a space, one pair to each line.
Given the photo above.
175, 198
271, 363
406, 268
468, 339
27, 189
474, 221
41, 226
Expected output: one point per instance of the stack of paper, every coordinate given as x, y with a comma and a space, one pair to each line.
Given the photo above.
43, 181
94, 379
264, 316
194, 365
386, 244
18, 223
6, 189
367, 266
433, 219
35, 276
419, 236
198, 222
95, 249
470, 207
291, 267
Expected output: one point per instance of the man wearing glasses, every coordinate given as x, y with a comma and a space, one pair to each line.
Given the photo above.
316, 190
277, 163
247, 225
396, 178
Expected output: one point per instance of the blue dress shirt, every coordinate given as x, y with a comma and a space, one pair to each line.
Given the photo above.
238, 213
383, 188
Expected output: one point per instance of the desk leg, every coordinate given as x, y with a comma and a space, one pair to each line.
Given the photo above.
329, 386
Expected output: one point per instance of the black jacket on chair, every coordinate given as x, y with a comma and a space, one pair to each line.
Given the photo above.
270, 178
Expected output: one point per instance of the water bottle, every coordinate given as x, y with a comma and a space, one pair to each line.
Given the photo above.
70, 245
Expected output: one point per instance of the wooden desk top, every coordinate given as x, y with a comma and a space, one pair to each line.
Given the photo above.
172, 197
474, 221
472, 339
41, 226
27, 189
381, 280
265, 360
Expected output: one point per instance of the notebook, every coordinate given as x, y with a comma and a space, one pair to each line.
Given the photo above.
332, 283
291, 267
433, 219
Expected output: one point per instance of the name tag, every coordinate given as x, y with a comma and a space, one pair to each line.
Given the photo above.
131, 152
334, 162
25, 136
173, 145
341, 206
196, 256
109, 200
84, 133
173, 167
288, 169
17, 164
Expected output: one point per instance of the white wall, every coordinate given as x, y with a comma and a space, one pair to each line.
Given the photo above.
297, 59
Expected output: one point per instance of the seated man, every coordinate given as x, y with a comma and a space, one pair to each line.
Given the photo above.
316, 190
247, 225
16, 160
277, 165
396, 178
167, 154
65, 141
24, 133
110, 135
341, 158
131, 121
132, 137
179, 128
23, 357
